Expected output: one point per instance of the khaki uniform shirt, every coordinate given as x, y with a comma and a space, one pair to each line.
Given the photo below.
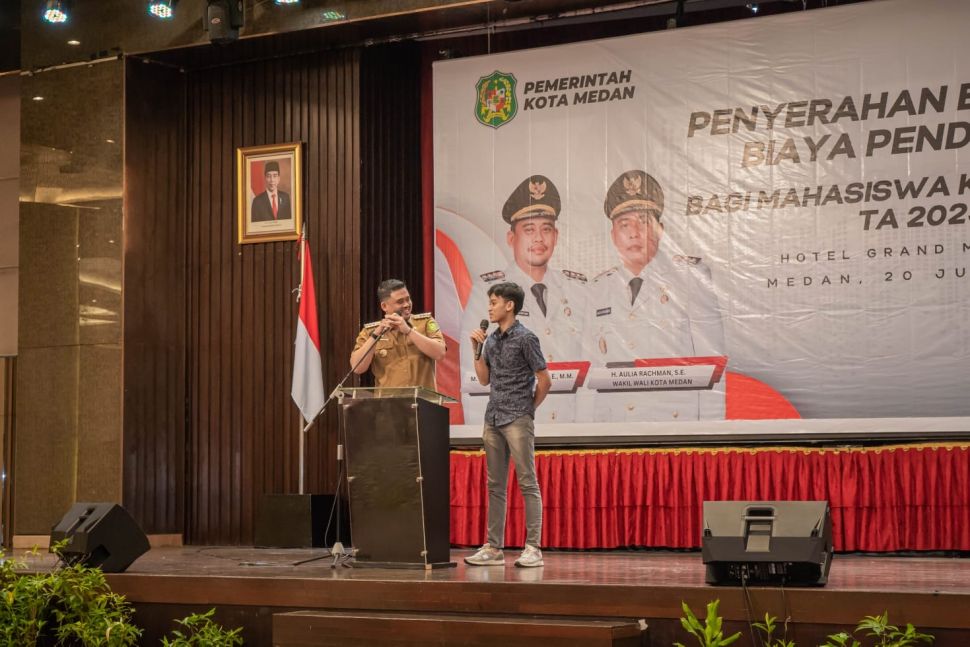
397, 361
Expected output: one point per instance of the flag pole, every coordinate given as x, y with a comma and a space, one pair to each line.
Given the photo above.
302, 431
302, 454
307, 389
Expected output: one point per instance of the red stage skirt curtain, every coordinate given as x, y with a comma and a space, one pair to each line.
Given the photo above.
895, 498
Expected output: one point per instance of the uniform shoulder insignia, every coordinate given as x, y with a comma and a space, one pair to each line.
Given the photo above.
687, 260
423, 315
488, 277
603, 275
372, 324
576, 276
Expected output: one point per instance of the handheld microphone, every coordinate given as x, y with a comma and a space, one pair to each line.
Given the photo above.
478, 351
400, 313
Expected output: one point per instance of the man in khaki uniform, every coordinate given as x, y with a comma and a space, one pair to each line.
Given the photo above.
407, 346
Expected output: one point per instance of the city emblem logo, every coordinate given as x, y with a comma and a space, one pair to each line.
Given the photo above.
496, 104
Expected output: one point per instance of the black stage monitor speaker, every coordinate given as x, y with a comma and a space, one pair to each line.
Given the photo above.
767, 542
100, 535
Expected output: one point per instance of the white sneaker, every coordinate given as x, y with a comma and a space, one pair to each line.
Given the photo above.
487, 556
530, 557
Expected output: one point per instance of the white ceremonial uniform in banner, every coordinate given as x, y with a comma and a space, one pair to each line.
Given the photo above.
674, 313
559, 331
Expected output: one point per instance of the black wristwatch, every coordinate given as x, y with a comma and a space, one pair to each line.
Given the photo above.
375, 335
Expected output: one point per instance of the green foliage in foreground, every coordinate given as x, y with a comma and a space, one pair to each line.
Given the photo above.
882, 634
708, 634
73, 606
200, 630
874, 631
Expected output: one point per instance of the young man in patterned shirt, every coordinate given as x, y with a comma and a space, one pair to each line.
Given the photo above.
511, 362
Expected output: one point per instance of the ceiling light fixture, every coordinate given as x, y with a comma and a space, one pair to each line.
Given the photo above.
57, 11
164, 9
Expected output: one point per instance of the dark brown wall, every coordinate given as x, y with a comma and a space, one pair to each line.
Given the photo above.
390, 194
243, 429
154, 297
209, 323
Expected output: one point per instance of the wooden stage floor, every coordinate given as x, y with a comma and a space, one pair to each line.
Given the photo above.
933, 593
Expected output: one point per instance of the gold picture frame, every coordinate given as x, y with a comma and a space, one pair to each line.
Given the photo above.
269, 192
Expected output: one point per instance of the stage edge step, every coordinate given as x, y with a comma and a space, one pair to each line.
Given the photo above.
379, 629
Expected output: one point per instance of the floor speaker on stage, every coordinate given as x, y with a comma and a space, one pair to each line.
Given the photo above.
299, 521
767, 542
100, 535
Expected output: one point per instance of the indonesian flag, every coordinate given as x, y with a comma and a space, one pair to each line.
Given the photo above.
307, 366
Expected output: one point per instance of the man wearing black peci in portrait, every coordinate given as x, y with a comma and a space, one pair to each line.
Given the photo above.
272, 204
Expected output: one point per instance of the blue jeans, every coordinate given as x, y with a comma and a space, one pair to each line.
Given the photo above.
516, 439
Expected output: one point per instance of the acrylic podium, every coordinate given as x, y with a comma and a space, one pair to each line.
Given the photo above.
396, 452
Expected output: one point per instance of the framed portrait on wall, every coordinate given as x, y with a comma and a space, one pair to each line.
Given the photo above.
269, 190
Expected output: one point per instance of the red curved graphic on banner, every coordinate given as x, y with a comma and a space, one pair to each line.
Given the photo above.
751, 399
448, 370
456, 263
448, 381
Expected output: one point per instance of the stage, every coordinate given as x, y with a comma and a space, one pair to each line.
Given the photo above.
250, 585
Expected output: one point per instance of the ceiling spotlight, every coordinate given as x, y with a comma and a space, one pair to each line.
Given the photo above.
286, 2
38, 98
73, 43
753, 6
164, 9
57, 11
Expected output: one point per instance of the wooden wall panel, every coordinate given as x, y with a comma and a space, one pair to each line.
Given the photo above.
242, 427
390, 136
154, 297
209, 423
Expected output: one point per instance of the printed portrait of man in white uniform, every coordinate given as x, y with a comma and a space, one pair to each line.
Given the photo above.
656, 303
555, 299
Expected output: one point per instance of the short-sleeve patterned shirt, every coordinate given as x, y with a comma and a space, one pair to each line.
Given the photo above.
513, 358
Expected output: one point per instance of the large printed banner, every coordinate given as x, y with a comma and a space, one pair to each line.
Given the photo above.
764, 219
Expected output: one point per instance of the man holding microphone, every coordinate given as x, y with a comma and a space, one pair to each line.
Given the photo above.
401, 349
511, 361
